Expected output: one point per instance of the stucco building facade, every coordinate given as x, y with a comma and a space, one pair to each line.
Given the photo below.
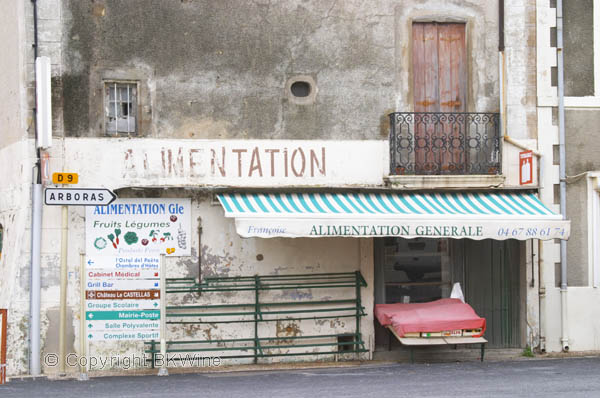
203, 101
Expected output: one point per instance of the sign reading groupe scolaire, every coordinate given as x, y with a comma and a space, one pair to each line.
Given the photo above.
122, 297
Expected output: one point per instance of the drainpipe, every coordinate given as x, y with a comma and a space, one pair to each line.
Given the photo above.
501, 68
542, 296
36, 239
564, 339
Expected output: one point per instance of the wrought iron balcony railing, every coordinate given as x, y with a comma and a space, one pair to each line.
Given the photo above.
444, 143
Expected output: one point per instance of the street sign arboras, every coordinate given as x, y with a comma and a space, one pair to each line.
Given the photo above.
78, 196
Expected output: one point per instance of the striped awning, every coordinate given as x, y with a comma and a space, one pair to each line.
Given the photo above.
472, 215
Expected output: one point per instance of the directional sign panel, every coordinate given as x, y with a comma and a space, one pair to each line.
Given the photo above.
126, 325
95, 275
121, 305
123, 335
122, 295
122, 264
123, 284
78, 196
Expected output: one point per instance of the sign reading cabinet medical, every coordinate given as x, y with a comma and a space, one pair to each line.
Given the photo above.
135, 227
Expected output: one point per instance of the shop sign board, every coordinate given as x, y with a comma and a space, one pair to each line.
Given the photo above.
137, 227
510, 228
525, 167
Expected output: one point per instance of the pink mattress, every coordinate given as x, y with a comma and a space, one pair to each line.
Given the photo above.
435, 316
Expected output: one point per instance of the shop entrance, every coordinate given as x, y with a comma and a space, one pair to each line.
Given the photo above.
424, 269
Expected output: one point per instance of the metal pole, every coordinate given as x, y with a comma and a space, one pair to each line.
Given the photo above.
163, 318
83, 376
501, 68
36, 237
62, 352
562, 174
36, 240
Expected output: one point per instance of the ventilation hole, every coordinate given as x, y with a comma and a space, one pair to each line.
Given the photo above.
300, 89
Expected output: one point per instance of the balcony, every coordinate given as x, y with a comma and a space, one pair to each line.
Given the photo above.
440, 144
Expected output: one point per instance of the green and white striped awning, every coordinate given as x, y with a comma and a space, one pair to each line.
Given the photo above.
472, 215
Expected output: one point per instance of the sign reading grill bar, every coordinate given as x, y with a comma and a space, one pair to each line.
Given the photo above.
78, 196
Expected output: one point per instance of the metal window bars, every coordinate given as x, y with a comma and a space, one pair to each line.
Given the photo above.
438, 143
258, 312
121, 102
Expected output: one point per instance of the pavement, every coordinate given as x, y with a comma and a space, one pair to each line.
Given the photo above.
565, 377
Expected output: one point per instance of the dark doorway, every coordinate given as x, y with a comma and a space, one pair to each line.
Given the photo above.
492, 288
424, 269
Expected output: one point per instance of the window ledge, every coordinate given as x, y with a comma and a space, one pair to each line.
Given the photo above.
445, 181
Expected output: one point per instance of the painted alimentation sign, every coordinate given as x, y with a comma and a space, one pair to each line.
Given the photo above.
136, 227
234, 163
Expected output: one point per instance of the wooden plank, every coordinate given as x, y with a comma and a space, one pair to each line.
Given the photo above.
422, 341
425, 88
412, 341
465, 340
418, 58
452, 91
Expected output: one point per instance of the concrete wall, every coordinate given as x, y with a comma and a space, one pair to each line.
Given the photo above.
222, 253
578, 270
581, 118
16, 153
219, 69
12, 91
578, 38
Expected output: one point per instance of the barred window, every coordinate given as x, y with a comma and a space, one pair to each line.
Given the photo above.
120, 107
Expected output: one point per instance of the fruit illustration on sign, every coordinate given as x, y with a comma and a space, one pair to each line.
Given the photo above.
181, 238
166, 236
145, 241
173, 218
153, 234
100, 243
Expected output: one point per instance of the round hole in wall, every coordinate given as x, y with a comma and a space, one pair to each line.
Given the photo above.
259, 257
300, 89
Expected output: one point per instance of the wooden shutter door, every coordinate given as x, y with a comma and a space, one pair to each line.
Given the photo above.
439, 85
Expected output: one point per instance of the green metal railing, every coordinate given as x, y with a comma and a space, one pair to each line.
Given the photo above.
258, 312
